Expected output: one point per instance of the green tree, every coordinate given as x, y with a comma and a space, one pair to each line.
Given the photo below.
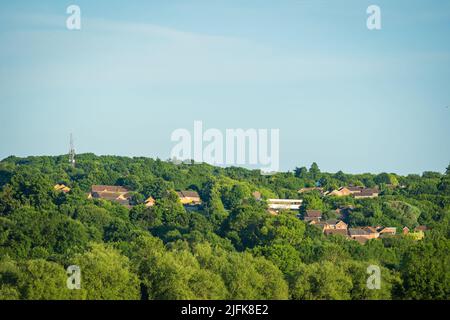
425, 270
43, 280
314, 171
444, 184
106, 275
324, 281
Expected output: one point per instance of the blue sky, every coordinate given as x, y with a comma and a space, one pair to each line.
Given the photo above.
341, 95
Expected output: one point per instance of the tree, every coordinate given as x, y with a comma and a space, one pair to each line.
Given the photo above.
444, 184
301, 173
245, 276
405, 213
214, 207
314, 171
234, 197
386, 178
389, 282
425, 272
171, 211
324, 281
32, 188
312, 201
284, 256
43, 280
156, 188
243, 226
106, 275
283, 229
172, 274
10, 275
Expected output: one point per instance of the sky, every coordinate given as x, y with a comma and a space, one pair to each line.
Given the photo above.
343, 96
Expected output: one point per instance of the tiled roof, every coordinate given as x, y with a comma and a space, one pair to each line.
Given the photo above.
370, 229
352, 188
358, 232
336, 231
188, 194
313, 213
103, 188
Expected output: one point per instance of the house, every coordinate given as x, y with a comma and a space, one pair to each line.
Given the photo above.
388, 231
342, 232
306, 190
257, 195
341, 192
62, 188
355, 189
366, 194
334, 224
116, 194
312, 215
150, 202
109, 189
189, 198
405, 230
331, 226
420, 228
357, 192
360, 234
284, 204
373, 233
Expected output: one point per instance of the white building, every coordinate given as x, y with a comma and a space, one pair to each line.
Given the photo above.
284, 204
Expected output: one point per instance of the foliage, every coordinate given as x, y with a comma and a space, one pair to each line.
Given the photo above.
230, 247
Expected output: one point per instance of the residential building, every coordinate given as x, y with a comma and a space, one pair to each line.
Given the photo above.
257, 195
150, 202
367, 193
355, 189
62, 188
360, 234
357, 192
306, 190
373, 233
116, 194
342, 232
284, 204
312, 215
341, 192
334, 224
388, 231
331, 226
189, 198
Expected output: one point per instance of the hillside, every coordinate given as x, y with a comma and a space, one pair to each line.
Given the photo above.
153, 239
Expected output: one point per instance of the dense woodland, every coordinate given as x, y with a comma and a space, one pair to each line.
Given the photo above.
228, 248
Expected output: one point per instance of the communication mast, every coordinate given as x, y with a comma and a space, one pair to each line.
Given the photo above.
72, 152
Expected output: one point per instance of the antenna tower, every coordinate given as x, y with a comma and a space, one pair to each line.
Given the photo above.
72, 152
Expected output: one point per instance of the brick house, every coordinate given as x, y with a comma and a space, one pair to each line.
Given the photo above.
189, 198
116, 194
